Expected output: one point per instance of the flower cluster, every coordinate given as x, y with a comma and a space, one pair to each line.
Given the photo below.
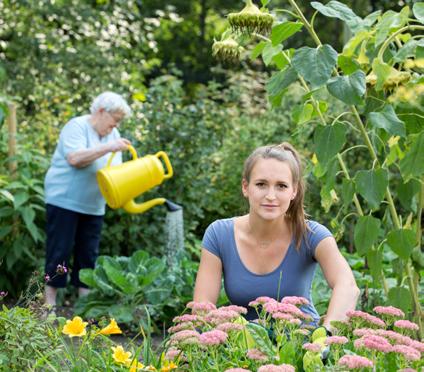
211, 338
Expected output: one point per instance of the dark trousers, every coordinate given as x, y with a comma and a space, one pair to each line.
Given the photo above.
70, 233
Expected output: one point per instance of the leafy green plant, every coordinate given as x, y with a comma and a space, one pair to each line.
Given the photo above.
373, 78
126, 288
21, 216
23, 338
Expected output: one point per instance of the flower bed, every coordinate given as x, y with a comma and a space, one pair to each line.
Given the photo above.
281, 340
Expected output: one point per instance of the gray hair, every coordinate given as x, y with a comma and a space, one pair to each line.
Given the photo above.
110, 102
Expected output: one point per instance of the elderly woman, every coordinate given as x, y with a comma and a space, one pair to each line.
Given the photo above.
74, 205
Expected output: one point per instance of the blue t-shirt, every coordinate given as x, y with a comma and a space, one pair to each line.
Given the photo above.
297, 269
73, 188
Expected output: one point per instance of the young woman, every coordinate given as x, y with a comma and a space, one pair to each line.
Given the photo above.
273, 250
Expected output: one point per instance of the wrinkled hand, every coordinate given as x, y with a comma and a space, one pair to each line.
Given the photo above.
119, 145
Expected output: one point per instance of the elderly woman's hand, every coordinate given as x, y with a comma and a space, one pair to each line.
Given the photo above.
118, 145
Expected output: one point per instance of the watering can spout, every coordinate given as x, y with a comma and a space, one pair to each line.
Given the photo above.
172, 207
133, 207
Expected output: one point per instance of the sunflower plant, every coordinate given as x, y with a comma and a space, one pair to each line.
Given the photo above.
368, 155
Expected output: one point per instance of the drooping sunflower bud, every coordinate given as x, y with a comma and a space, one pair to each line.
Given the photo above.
251, 20
227, 50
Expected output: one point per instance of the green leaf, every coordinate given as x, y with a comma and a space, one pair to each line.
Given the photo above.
20, 199
137, 262
117, 276
350, 89
7, 195
407, 50
101, 280
351, 46
372, 185
280, 81
306, 113
87, 277
4, 230
400, 297
121, 313
28, 215
257, 50
412, 165
348, 189
390, 21
283, 31
418, 10
374, 260
406, 192
387, 119
329, 140
402, 242
261, 337
366, 233
347, 64
382, 71
315, 65
335, 9
269, 52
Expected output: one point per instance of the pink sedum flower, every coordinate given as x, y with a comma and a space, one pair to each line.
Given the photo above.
185, 334
389, 310
294, 300
256, 354
355, 361
276, 368
185, 318
237, 309
181, 327
339, 340
219, 316
406, 324
315, 348
359, 332
376, 321
407, 351
373, 342
229, 327
214, 337
172, 354
200, 307
282, 316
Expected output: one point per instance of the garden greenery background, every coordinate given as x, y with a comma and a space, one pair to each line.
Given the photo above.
56, 55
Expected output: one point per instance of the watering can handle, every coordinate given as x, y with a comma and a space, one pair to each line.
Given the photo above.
162, 154
132, 151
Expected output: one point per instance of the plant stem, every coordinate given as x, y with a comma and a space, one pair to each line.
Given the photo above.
393, 36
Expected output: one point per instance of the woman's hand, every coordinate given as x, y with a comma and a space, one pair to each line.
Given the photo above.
120, 144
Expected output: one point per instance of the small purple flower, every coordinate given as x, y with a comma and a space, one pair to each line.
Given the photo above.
3, 294
47, 278
61, 269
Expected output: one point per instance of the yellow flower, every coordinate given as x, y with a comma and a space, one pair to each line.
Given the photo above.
75, 327
168, 367
120, 355
135, 366
314, 159
150, 368
111, 329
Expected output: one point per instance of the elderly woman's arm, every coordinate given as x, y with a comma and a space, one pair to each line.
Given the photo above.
339, 277
82, 158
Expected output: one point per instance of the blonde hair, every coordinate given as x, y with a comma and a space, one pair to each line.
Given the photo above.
286, 153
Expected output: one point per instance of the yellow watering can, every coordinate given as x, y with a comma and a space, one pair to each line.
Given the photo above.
120, 184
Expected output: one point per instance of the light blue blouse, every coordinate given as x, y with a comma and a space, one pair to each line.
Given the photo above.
73, 188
